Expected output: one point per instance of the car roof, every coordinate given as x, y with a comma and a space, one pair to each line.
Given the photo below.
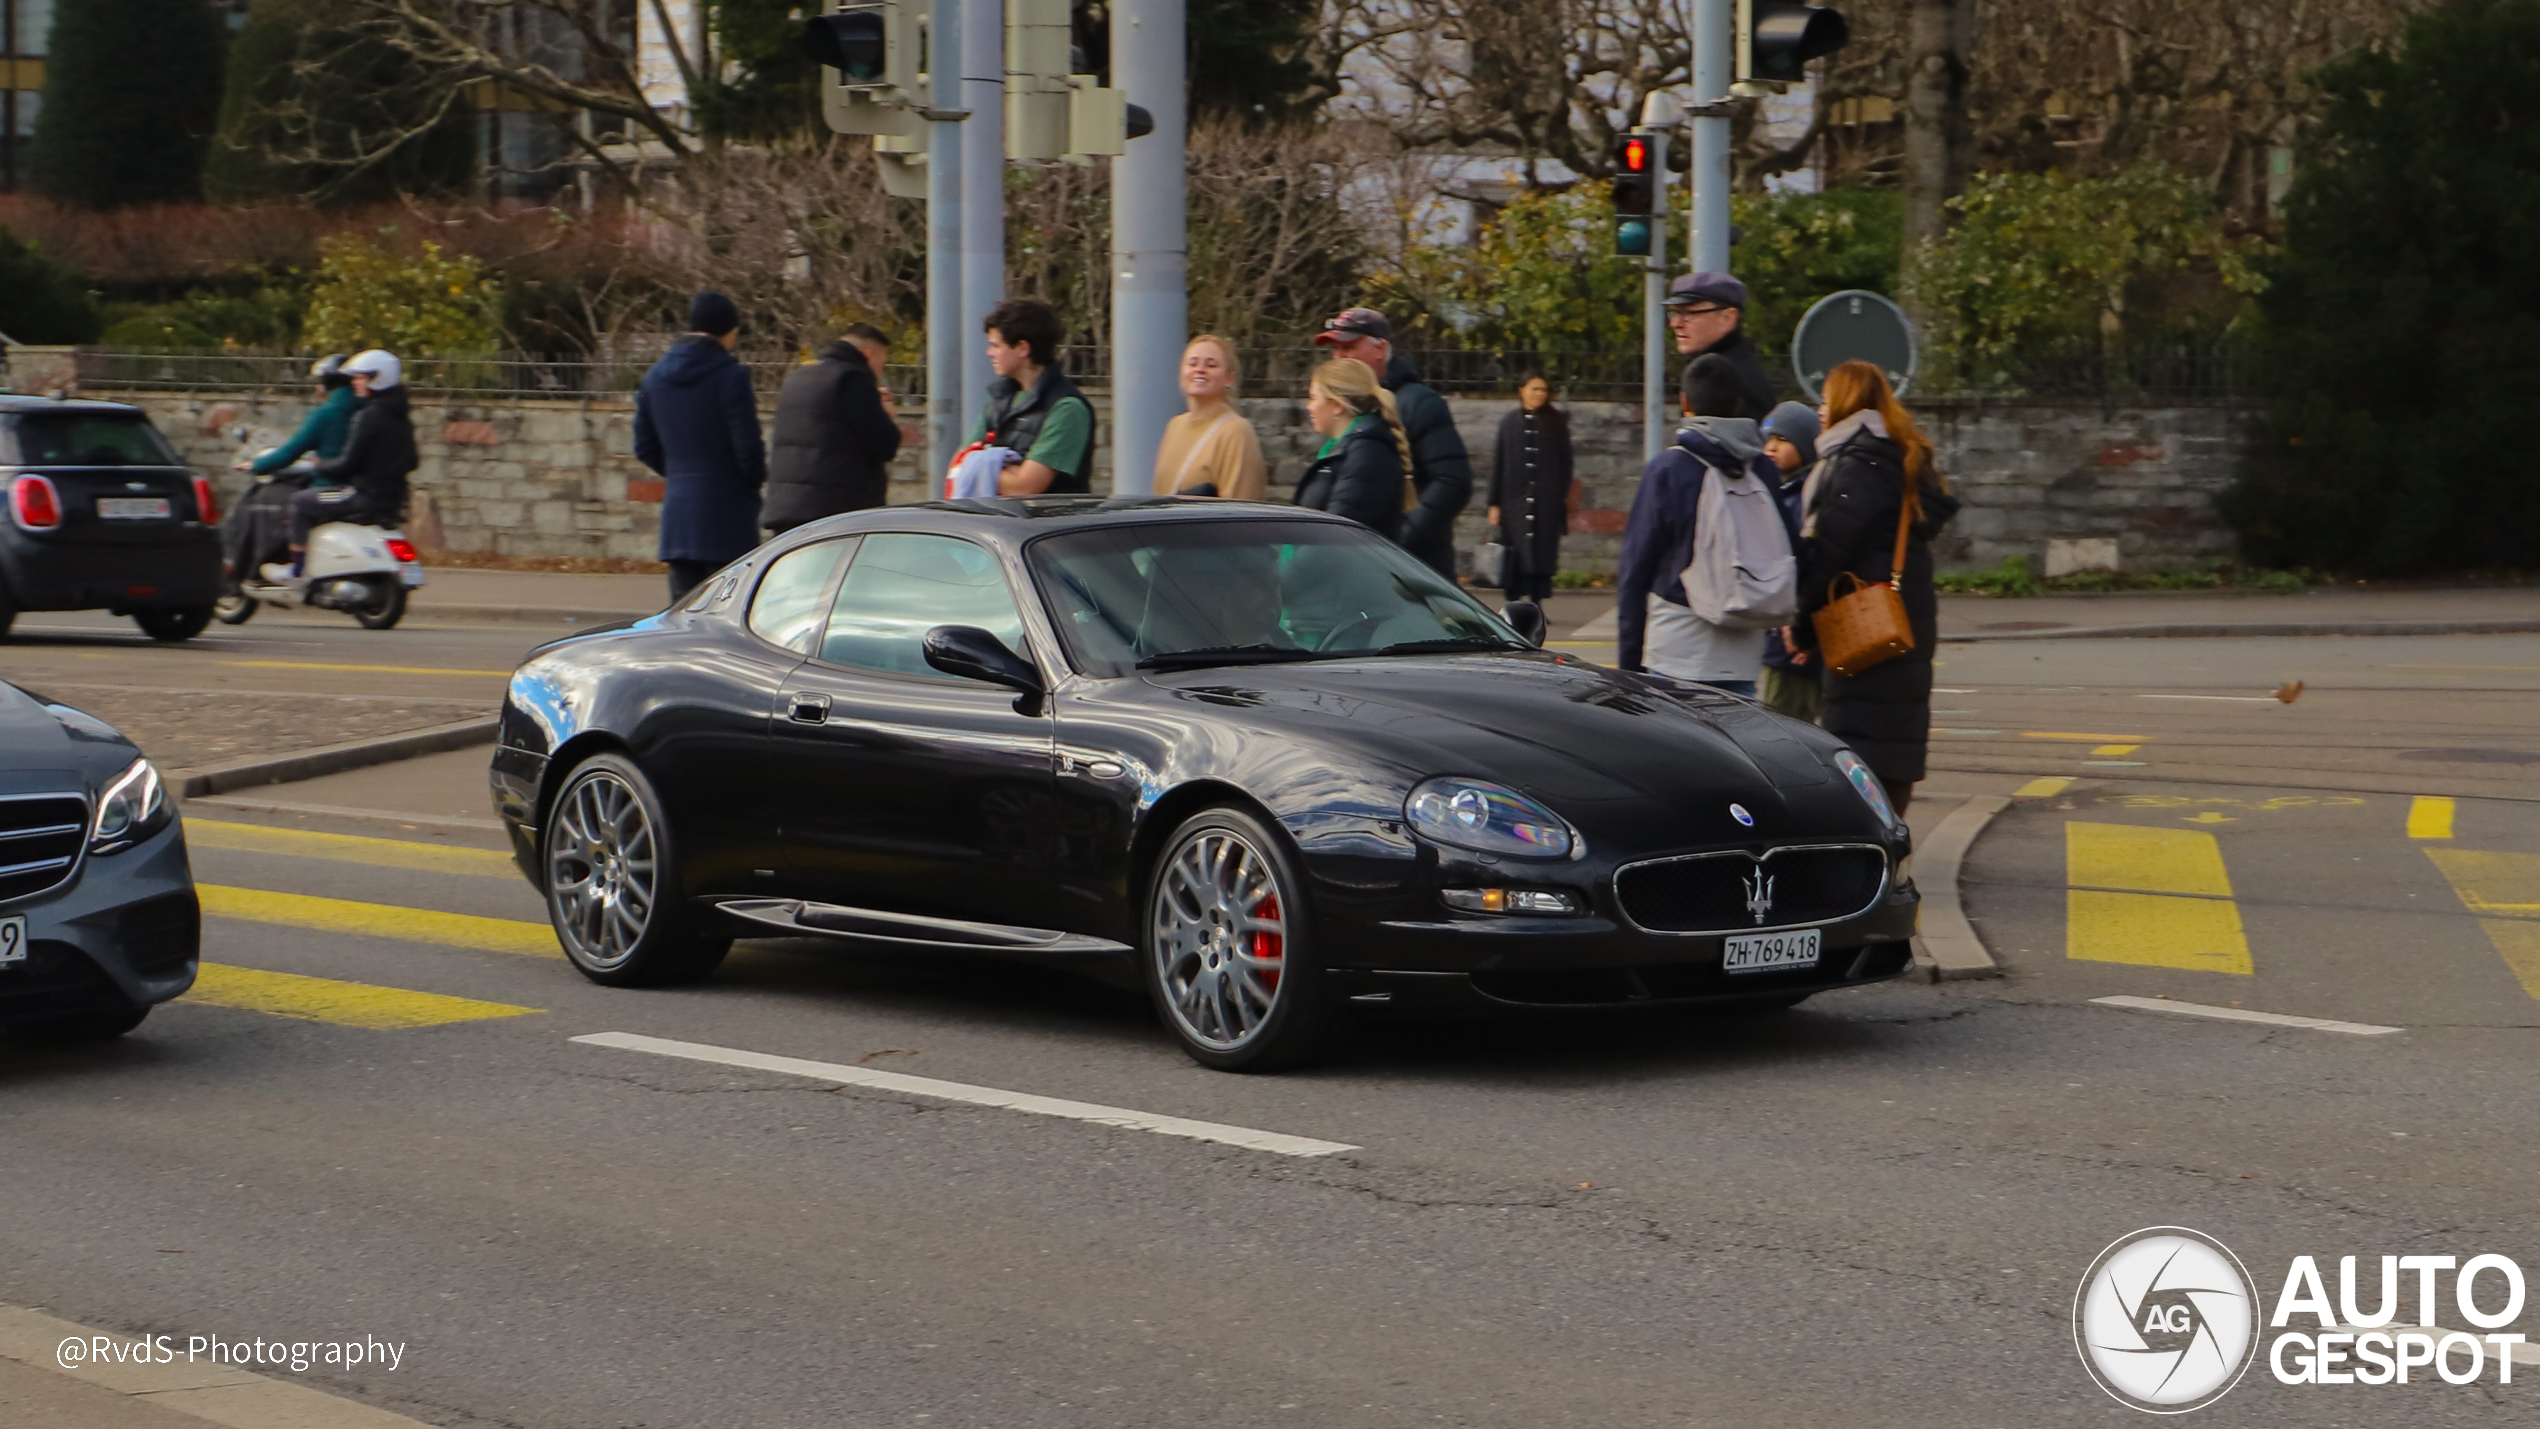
1015, 519
12, 403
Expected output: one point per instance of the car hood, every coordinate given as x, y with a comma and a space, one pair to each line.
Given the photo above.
1562, 729
45, 747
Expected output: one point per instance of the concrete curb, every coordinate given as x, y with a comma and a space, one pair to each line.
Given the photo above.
330, 758
217, 1393
1947, 949
573, 615
2211, 631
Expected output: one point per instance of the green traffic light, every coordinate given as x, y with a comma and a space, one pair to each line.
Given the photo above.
1631, 237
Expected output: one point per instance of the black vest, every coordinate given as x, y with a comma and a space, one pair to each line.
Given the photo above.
1017, 430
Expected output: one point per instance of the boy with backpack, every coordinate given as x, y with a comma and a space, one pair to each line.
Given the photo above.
1707, 566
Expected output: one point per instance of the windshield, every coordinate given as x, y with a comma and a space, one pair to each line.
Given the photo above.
88, 439
1180, 594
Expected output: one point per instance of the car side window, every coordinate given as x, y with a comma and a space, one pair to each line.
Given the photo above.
793, 597
902, 585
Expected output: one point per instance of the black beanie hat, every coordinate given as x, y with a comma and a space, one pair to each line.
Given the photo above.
713, 314
1711, 387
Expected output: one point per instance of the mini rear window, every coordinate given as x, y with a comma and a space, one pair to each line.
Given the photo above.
85, 439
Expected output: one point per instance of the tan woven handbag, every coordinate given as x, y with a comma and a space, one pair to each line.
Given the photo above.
1867, 624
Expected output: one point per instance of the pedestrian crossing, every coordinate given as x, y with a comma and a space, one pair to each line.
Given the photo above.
351, 1004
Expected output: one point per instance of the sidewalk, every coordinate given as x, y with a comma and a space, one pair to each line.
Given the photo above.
543, 596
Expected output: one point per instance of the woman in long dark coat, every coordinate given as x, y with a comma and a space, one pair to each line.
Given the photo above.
1530, 489
1853, 501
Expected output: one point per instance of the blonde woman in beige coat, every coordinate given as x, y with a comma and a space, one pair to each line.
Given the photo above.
1210, 450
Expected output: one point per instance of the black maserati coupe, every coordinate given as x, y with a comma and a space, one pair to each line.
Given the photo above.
1252, 756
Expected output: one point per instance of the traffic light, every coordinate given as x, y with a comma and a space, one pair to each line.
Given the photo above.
869, 51
1776, 39
1639, 161
1052, 112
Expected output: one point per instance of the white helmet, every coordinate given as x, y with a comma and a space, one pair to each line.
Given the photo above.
380, 366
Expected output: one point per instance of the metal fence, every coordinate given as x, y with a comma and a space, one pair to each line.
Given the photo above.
2164, 371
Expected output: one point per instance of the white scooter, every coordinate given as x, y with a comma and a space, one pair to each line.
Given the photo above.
364, 571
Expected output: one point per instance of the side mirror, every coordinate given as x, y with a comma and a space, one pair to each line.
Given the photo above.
974, 654
1526, 618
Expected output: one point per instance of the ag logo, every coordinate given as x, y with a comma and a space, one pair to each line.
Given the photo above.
2166, 1320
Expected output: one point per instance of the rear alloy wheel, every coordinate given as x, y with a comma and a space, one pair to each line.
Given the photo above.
613, 885
384, 606
183, 623
1228, 958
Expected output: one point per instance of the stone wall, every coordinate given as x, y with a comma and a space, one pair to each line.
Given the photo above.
548, 478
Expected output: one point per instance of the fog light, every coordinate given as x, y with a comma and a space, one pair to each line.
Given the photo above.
1540, 902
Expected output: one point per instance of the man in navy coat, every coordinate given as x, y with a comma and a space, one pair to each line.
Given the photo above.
696, 422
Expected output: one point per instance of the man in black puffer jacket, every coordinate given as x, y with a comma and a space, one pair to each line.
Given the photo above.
835, 435
370, 473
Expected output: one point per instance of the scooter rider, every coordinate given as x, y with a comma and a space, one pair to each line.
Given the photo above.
259, 525
379, 452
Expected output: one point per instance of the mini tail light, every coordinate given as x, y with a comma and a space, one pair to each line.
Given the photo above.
205, 504
403, 550
36, 504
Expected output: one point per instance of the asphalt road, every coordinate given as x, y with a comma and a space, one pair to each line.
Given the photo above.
1874, 1209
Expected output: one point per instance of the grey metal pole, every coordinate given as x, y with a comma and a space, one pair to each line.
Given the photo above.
1657, 341
1150, 301
944, 337
982, 191
1707, 177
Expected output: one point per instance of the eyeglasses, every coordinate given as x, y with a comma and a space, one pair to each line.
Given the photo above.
1691, 312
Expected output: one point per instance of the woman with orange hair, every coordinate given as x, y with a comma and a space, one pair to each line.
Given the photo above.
1874, 467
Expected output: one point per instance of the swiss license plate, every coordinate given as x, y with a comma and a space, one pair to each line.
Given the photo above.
133, 508
12, 941
1770, 952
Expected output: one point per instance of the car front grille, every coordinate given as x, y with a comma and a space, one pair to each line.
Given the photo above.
40, 840
1737, 892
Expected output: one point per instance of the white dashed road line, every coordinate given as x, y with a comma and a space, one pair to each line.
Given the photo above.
2240, 1014
1122, 1117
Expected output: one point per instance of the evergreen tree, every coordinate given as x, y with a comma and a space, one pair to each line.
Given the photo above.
131, 89
1248, 57
312, 109
2402, 321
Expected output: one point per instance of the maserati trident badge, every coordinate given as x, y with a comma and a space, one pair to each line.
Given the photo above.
1759, 895
1738, 812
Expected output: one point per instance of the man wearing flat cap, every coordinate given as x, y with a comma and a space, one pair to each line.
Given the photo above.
696, 423
1707, 312
1441, 469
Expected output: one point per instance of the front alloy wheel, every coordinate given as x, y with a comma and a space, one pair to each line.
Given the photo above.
612, 890
1228, 962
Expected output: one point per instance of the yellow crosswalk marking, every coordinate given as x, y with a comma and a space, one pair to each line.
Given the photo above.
2429, 817
380, 920
2042, 788
2151, 897
2500, 883
361, 669
351, 1004
349, 848
2144, 860
2111, 751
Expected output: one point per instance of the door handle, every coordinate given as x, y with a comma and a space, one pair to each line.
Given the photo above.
807, 708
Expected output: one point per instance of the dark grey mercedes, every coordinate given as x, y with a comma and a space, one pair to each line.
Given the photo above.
98, 917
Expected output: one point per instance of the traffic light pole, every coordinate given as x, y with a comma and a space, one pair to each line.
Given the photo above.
944, 336
982, 192
1657, 423
1149, 240
1707, 175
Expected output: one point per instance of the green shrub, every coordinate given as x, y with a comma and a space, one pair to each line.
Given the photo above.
415, 304
1793, 249
265, 317
42, 301
2403, 318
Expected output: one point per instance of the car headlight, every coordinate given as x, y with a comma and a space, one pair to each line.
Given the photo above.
1867, 785
1488, 818
133, 807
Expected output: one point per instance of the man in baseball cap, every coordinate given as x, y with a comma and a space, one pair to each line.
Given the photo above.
1707, 311
1441, 469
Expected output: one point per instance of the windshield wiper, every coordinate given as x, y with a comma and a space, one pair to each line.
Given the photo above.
1256, 654
1451, 643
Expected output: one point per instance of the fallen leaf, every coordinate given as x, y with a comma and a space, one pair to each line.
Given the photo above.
2289, 691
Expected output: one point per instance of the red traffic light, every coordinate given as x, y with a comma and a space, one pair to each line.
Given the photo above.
1633, 157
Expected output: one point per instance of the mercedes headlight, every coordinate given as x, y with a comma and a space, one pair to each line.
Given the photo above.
1867, 785
1488, 818
133, 807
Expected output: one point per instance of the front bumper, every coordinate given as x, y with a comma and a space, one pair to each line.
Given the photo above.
125, 932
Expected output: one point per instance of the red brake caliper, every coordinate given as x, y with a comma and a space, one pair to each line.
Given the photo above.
1267, 945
